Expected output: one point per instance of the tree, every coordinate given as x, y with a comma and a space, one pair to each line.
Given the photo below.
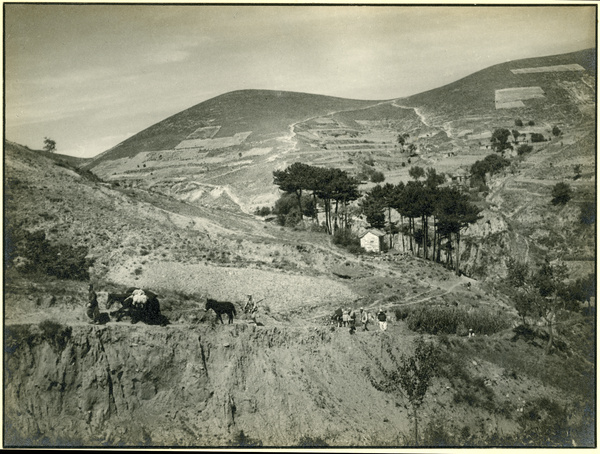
416, 172
561, 193
518, 273
455, 213
577, 171
377, 177
49, 145
373, 205
491, 164
402, 138
516, 134
524, 149
292, 180
411, 376
499, 140
537, 137
543, 294
549, 283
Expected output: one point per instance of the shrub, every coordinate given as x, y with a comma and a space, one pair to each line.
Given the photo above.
587, 213
518, 122
377, 177
561, 193
56, 334
40, 256
537, 137
524, 149
310, 442
491, 164
262, 211
447, 320
346, 239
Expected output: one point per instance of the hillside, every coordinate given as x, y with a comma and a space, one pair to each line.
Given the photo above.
222, 152
196, 383
170, 210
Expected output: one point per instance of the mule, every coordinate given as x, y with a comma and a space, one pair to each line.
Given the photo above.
221, 307
149, 313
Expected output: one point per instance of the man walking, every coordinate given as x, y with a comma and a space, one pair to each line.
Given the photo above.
364, 319
382, 320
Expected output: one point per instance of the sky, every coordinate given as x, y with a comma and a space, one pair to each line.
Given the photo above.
90, 76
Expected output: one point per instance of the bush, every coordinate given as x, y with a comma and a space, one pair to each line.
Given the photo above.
446, 320
524, 149
40, 256
377, 177
346, 239
587, 213
56, 334
537, 137
561, 193
491, 164
518, 122
262, 211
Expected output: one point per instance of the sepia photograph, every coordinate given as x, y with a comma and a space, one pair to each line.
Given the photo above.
299, 226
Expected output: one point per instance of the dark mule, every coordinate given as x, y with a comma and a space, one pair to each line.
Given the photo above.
149, 313
221, 307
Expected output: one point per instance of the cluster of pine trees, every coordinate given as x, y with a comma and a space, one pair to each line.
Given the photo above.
432, 216
334, 188
441, 212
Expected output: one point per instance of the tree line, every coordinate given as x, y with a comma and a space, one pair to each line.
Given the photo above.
432, 216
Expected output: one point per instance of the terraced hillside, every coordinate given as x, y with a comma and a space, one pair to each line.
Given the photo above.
291, 379
221, 153
170, 210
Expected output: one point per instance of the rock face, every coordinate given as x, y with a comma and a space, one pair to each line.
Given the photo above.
190, 386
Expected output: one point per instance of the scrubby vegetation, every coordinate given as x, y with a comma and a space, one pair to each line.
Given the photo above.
452, 320
31, 252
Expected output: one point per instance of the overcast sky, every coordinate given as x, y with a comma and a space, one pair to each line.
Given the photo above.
89, 76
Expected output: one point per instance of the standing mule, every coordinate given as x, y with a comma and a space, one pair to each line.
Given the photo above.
221, 307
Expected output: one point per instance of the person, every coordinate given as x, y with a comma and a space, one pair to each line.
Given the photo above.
352, 317
364, 319
249, 304
92, 310
337, 317
345, 318
382, 320
254, 310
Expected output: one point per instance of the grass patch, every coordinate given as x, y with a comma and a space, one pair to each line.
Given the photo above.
451, 320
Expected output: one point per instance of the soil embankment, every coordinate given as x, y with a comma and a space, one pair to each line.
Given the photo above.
194, 385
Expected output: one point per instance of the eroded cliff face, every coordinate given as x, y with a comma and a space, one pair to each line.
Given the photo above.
196, 385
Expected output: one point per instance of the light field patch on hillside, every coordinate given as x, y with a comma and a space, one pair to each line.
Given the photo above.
204, 132
549, 69
508, 98
214, 144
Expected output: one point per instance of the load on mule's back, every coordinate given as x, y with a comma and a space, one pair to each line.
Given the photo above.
139, 304
221, 307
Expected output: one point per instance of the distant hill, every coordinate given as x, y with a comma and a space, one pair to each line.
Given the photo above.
472, 99
264, 114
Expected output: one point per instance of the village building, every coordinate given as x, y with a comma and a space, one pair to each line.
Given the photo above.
372, 240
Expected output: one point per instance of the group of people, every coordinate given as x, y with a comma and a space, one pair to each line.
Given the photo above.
349, 318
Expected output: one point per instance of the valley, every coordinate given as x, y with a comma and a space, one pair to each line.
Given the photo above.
173, 209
